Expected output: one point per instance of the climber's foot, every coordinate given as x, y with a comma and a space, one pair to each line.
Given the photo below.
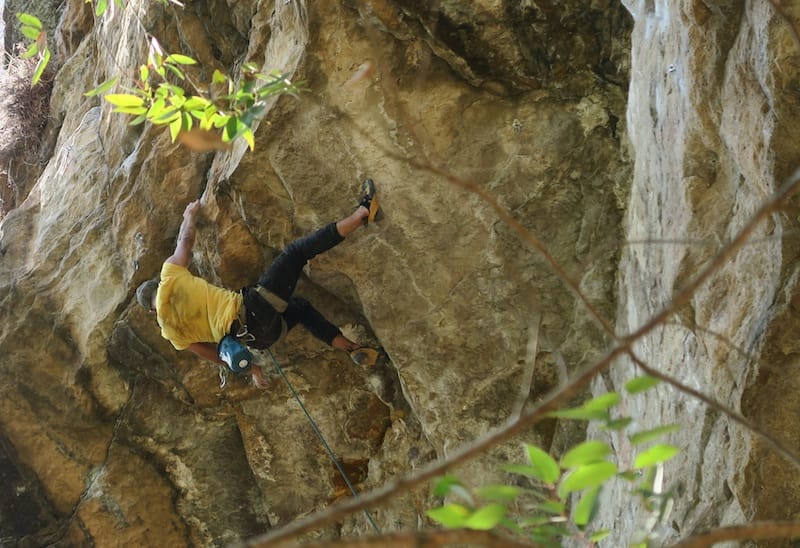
369, 200
364, 356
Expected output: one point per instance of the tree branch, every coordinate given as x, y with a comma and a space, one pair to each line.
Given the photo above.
446, 537
758, 530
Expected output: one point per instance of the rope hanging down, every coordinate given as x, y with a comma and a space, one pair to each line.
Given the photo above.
321, 438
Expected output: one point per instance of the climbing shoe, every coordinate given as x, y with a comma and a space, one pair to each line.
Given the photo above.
364, 356
370, 201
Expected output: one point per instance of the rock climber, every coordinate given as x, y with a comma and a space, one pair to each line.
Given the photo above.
219, 324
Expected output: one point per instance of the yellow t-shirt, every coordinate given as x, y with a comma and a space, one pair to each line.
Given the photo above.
192, 310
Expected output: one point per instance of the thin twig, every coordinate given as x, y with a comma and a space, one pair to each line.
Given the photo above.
758, 530
530, 368
485, 539
694, 326
771, 440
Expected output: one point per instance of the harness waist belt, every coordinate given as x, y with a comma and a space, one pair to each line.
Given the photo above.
239, 326
276, 302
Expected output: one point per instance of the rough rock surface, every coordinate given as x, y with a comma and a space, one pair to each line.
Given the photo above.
110, 437
712, 113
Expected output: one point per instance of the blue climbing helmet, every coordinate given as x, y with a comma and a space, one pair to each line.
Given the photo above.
234, 354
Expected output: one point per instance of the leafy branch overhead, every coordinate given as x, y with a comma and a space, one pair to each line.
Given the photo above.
231, 106
211, 116
543, 510
32, 29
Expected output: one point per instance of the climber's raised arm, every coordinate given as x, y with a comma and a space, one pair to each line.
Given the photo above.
186, 234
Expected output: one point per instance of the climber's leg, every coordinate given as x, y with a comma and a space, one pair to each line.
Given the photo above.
302, 312
282, 275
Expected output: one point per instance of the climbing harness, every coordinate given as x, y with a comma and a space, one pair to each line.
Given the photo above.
232, 349
321, 438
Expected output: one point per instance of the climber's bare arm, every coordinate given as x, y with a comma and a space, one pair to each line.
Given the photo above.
207, 351
186, 234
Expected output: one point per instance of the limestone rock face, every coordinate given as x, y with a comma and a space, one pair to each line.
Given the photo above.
109, 436
713, 132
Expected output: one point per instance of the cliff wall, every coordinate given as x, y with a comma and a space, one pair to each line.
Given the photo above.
596, 125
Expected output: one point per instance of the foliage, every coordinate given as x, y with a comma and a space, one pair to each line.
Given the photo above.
158, 99
25, 109
230, 106
32, 28
560, 498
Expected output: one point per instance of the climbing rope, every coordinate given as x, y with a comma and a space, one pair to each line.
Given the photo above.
321, 438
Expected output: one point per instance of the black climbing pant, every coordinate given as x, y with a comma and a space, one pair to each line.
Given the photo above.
263, 321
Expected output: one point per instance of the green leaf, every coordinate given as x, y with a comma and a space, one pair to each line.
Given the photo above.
586, 509
100, 7
232, 130
499, 493
591, 475
177, 101
102, 88
180, 59
603, 402
220, 120
546, 533
157, 108
175, 128
162, 92
186, 121
193, 104
32, 50
443, 484
248, 136
175, 70
175, 91
137, 111
587, 452
144, 73
138, 120
650, 435
29, 20
617, 424
32, 33
551, 507
124, 100
545, 466
599, 535
511, 526
631, 475
640, 384
37, 74
535, 521
580, 413
167, 116
486, 518
655, 455
449, 515
522, 470
219, 77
